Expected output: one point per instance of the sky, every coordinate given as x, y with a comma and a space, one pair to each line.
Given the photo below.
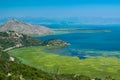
60, 8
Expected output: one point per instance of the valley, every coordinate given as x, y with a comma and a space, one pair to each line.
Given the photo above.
79, 54
60, 40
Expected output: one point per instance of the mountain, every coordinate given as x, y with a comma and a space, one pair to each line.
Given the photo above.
21, 27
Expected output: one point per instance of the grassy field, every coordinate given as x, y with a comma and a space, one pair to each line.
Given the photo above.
53, 63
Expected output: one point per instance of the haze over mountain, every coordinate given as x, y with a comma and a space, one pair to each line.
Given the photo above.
21, 27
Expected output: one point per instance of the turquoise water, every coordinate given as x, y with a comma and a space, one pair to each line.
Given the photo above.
99, 41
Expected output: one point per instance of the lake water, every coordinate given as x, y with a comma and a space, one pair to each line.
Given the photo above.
82, 42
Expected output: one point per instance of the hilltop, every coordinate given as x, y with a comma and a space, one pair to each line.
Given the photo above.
25, 28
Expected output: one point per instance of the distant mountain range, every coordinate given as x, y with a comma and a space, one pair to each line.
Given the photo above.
25, 28
67, 21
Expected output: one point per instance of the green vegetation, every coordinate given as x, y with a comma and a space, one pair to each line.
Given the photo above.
101, 67
15, 71
4, 55
32, 63
11, 67
12, 39
12, 70
55, 43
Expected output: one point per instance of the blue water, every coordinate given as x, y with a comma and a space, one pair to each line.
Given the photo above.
105, 41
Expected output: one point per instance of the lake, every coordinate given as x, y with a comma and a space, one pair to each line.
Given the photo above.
83, 43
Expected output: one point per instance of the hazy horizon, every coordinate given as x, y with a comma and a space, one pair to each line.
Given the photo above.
61, 8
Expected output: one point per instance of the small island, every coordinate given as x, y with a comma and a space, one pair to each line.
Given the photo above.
56, 43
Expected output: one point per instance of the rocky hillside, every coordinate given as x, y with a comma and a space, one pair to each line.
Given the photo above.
21, 27
11, 39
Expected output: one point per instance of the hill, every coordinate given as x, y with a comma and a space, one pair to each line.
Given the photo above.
21, 27
11, 39
16, 71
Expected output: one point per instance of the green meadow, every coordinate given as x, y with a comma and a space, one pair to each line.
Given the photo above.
53, 63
